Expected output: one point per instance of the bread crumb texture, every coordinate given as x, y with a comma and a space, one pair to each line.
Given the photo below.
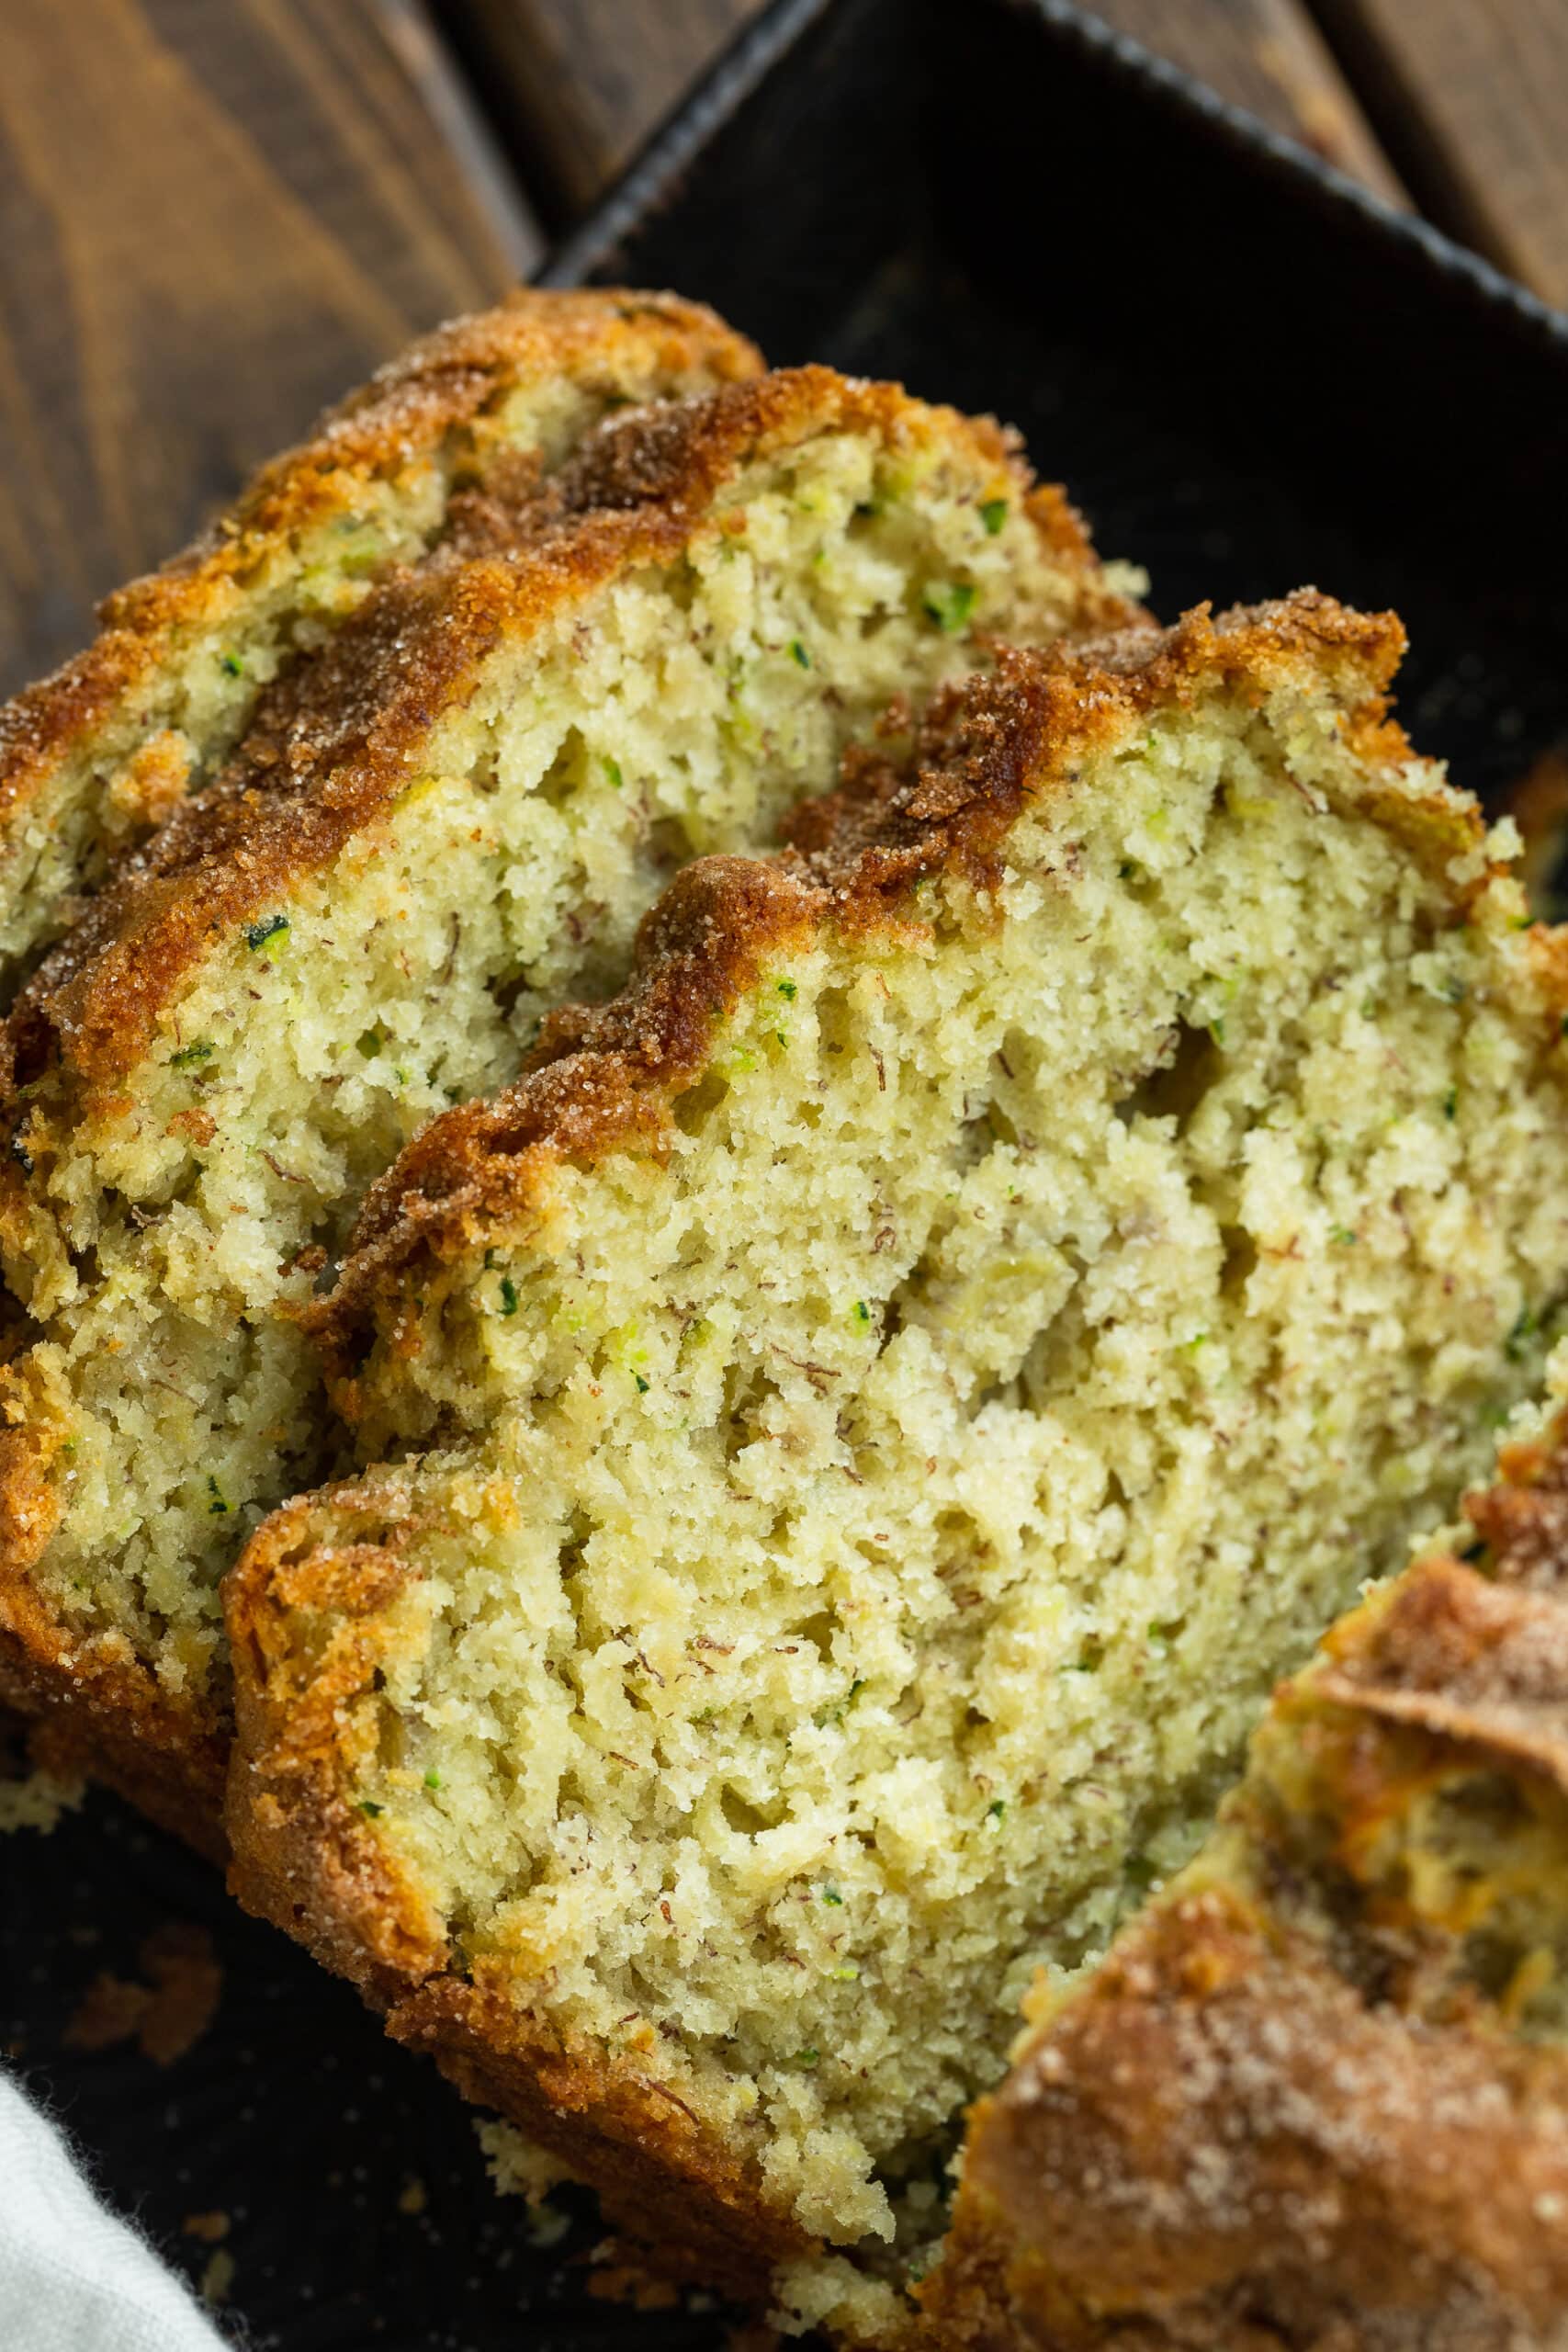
1323, 2080
97, 756
867, 1421
451, 816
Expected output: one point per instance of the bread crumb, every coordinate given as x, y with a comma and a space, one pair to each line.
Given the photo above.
620, 2282
520, 2167
154, 780
218, 2278
211, 2227
37, 1801
166, 2017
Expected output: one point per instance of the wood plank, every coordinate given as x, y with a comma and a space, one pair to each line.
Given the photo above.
578, 84
1268, 56
1474, 97
213, 221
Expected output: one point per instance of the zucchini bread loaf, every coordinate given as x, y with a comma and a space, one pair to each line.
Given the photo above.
101, 752
867, 1416
1318, 2094
433, 829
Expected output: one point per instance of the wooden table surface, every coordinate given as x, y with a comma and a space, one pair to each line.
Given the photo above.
215, 215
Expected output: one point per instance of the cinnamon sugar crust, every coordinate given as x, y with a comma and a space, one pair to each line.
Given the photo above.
100, 752
1221, 2145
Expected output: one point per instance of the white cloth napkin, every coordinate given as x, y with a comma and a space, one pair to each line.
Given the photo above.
72, 2278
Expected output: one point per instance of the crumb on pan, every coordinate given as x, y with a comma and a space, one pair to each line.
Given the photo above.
165, 2017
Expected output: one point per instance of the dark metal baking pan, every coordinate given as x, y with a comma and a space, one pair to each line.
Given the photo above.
1251, 375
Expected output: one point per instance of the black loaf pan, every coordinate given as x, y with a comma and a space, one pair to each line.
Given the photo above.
1250, 376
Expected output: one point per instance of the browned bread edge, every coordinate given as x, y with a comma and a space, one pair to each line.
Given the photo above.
440, 384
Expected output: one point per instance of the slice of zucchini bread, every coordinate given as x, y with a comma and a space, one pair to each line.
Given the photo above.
1317, 2096
97, 754
431, 830
870, 1414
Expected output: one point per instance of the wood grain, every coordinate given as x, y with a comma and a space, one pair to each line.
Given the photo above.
578, 84
213, 219
1268, 56
1473, 94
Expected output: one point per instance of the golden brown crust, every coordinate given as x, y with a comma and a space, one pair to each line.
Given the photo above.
329, 748
106, 1734
1286, 2112
1220, 2144
1483, 1666
988, 746
1522, 1520
693, 2211
307, 1628
441, 386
